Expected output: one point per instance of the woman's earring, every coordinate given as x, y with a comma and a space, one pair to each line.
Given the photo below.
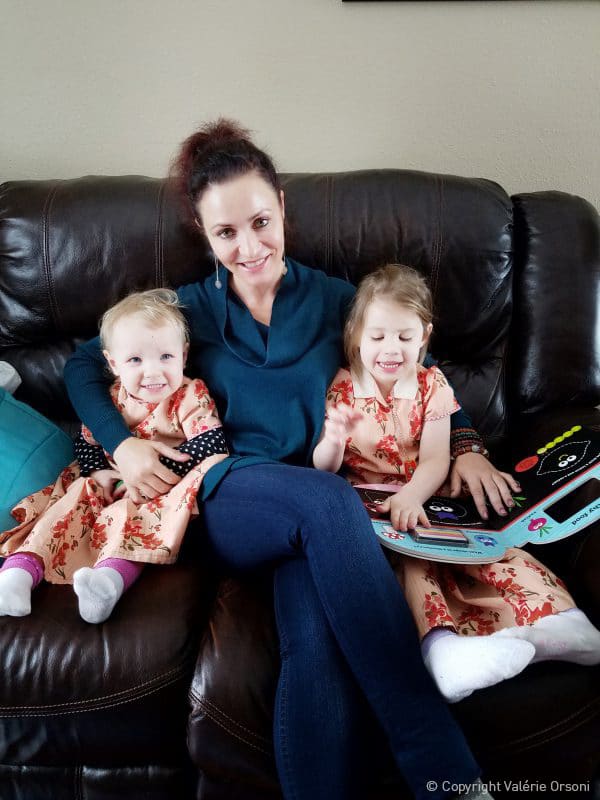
284, 270
218, 283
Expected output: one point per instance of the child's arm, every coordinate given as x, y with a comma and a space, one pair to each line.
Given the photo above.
339, 422
406, 507
210, 443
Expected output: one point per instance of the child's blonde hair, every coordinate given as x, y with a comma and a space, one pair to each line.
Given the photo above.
154, 306
397, 282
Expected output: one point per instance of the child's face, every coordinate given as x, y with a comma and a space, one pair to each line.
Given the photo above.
391, 341
148, 359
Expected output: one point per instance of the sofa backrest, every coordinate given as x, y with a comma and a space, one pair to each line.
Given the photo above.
69, 249
555, 338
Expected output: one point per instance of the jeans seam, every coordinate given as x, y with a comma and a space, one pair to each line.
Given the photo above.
282, 720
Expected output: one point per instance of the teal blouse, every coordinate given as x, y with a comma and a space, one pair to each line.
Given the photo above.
269, 385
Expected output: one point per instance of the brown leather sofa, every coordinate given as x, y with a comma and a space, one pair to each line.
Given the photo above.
172, 697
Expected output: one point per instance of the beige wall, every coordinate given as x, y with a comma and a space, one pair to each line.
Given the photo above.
505, 90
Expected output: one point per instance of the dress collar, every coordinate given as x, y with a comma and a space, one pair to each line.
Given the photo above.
364, 386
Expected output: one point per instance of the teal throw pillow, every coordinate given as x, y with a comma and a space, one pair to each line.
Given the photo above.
33, 451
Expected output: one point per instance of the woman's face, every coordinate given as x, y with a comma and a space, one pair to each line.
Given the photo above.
243, 222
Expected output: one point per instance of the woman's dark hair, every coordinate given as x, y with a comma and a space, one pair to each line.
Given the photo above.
218, 152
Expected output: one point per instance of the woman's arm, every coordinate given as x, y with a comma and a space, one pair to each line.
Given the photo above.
471, 470
88, 381
137, 459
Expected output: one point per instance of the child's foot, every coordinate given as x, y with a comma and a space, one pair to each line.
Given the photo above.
461, 664
567, 636
98, 591
15, 592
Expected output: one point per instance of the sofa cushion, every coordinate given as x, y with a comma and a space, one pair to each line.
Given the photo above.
110, 694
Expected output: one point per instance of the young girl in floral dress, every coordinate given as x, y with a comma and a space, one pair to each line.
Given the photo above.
86, 529
388, 422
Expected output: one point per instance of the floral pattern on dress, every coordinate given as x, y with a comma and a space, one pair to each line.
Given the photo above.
387, 437
69, 524
474, 600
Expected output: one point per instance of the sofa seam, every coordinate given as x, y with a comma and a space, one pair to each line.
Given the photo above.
46, 255
238, 736
159, 271
532, 740
56, 711
220, 711
437, 243
81, 706
329, 225
215, 715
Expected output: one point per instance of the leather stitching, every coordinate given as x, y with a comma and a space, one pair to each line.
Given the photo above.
118, 698
46, 255
210, 708
220, 711
210, 714
158, 239
555, 731
328, 224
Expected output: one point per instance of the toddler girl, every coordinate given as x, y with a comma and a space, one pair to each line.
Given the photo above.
388, 422
85, 529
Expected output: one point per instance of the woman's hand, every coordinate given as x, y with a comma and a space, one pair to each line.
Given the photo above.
141, 471
481, 478
107, 480
405, 511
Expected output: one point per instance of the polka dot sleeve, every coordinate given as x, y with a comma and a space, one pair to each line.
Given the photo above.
209, 443
90, 457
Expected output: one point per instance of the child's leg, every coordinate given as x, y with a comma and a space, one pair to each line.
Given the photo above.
458, 664
99, 589
19, 575
461, 664
566, 636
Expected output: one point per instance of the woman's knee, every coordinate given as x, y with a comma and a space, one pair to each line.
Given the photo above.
333, 493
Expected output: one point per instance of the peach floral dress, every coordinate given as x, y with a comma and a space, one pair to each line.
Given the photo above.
69, 525
384, 449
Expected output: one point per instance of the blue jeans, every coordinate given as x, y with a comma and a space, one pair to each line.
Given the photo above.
345, 630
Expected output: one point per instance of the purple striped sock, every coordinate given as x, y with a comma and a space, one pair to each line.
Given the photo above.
27, 562
128, 570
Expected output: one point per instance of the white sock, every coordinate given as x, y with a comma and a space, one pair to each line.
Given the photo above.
567, 636
98, 591
15, 592
461, 664
475, 792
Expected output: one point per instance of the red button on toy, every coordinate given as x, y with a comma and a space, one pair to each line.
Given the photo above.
526, 463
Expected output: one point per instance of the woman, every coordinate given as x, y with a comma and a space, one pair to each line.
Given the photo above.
267, 334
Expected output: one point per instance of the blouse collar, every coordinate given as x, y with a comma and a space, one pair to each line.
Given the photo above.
364, 386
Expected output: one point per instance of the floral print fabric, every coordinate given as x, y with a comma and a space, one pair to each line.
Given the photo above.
69, 525
478, 599
473, 600
384, 446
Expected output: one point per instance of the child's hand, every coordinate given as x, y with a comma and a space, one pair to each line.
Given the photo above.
405, 511
340, 422
107, 480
